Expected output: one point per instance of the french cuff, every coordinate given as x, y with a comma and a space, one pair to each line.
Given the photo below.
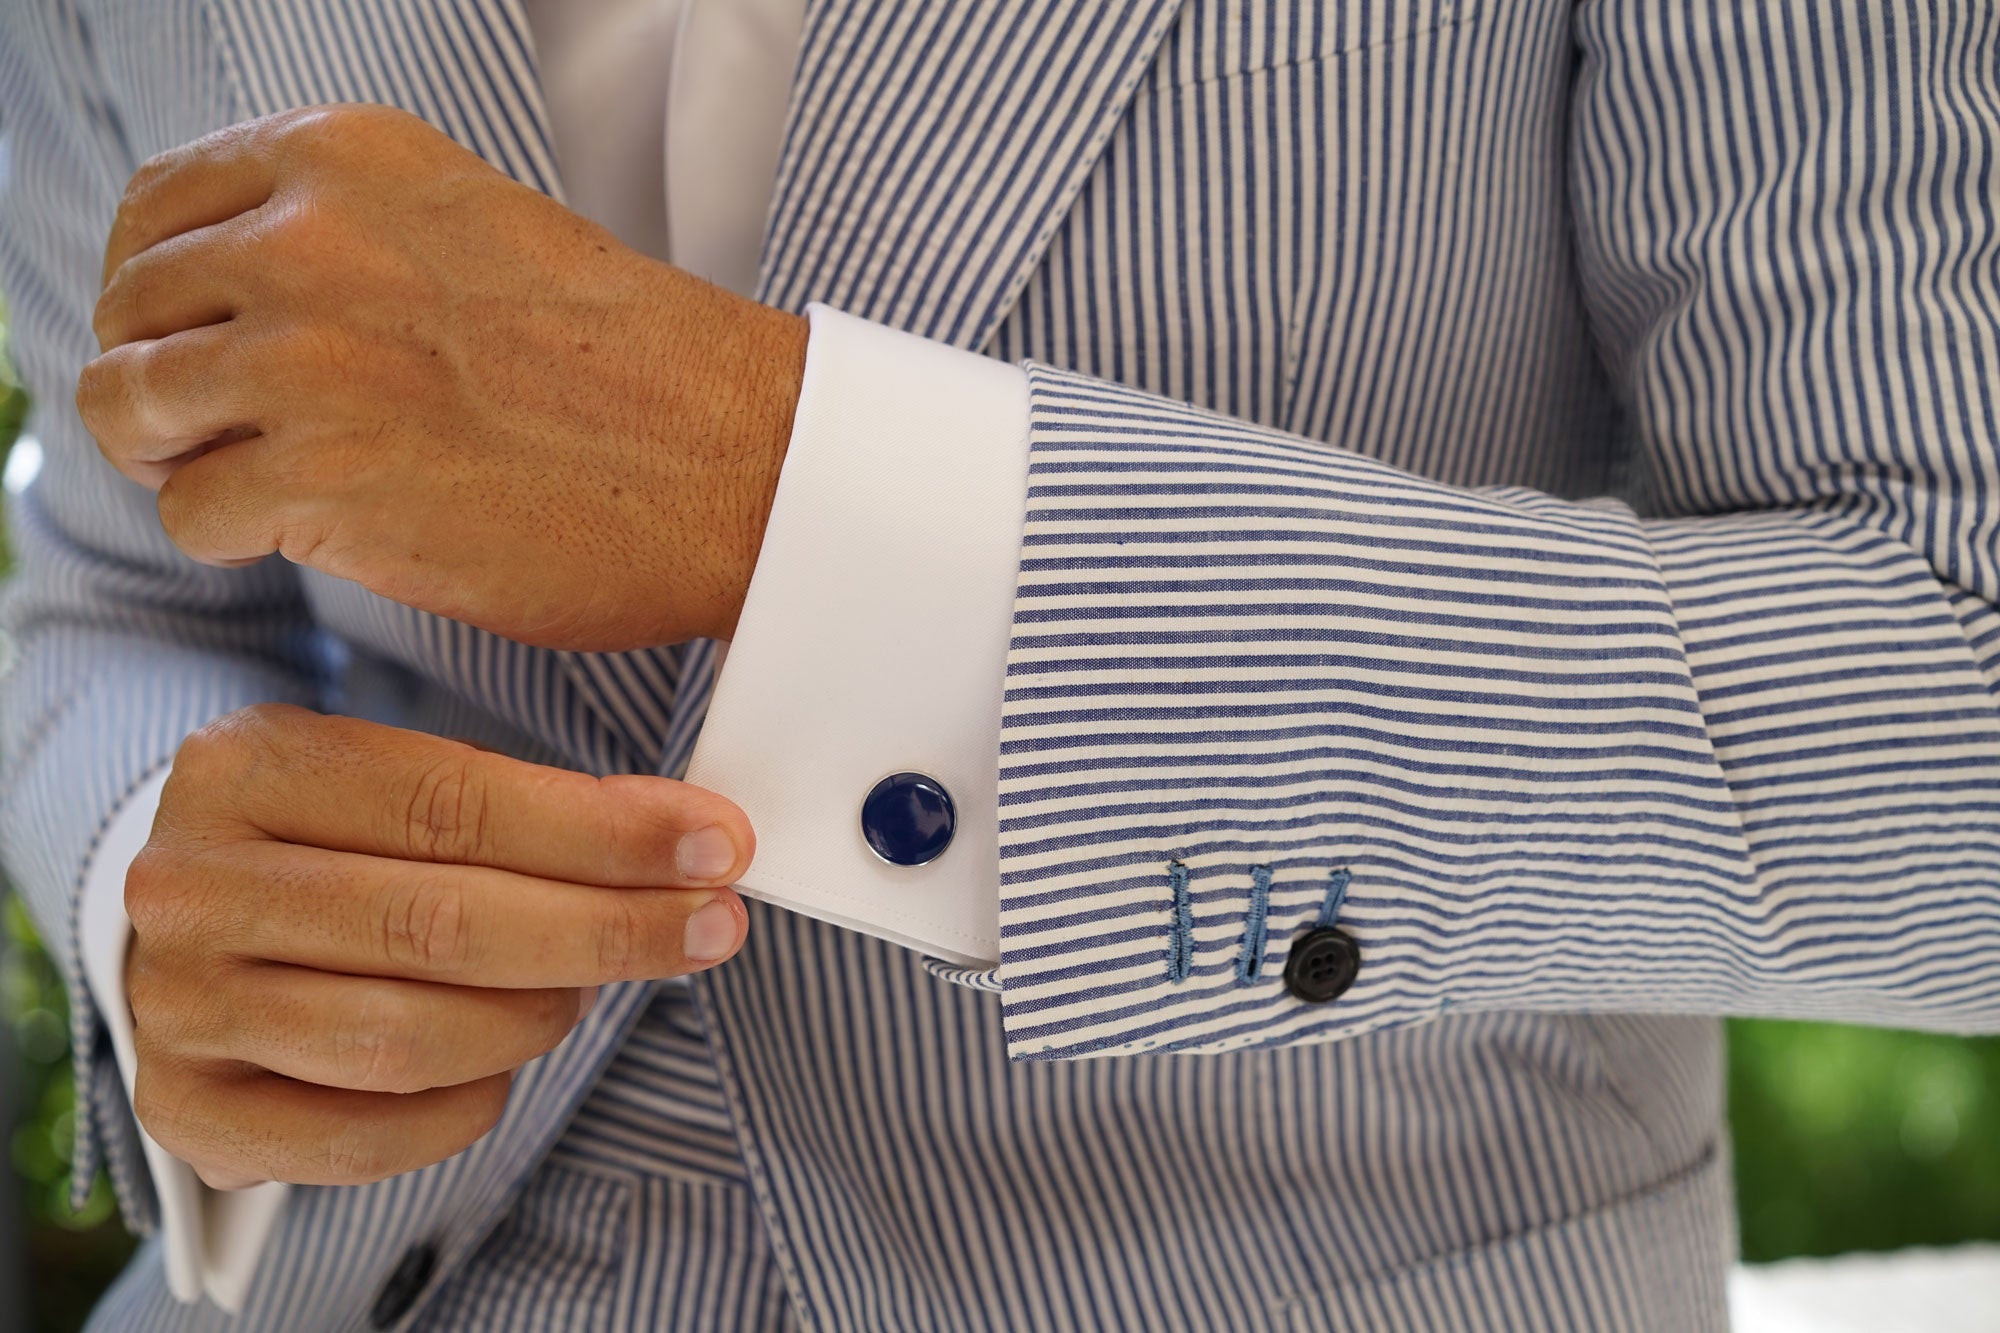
210, 1239
857, 717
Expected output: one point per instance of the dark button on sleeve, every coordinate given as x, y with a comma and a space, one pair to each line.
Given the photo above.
1322, 964
908, 819
400, 1292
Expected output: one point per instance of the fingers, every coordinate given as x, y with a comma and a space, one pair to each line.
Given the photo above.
237, 1127
182, 283
366, 1033
239, 168
150, 403
230, 502
463, 925
354, 786
198, 184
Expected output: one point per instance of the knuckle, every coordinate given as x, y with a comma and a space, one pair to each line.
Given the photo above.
189, 805
203, 513
161, 1022
144, 179
130, 290
148, 996
309, 128
337, 126
269, 721
357, 1155
235, 745
156, 891
247, 758
297, 227
92, 387
103, 316
149, 1105
301, 541
446, 815
639, 827
180, 508
376, 1050
218, 748
212, 750
197, 1117
619, 934
141, 185
175, 1016
163, 1096
150, 372
425, 927
231, 765
103, 387
188, 918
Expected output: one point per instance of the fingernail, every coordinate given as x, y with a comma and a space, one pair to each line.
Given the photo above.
705, 854
585, 998
711, 933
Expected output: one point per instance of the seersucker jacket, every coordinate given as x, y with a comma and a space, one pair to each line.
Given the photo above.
1512, 479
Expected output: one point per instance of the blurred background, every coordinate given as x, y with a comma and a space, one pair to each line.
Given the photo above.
1847, 1139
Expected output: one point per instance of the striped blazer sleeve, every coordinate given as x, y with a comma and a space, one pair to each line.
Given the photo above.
120, 646
1730, 746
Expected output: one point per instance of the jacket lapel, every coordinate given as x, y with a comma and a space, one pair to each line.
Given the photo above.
466, 66
931, 148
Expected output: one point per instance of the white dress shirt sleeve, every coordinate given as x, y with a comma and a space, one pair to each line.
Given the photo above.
210, 1238
874, 636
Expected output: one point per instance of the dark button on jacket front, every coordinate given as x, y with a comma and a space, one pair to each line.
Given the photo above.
400, 1292
1322, 964
908, 819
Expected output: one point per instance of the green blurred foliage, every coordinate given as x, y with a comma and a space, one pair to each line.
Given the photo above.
1862, 1138
71, 1255
1846, 1138
13, 399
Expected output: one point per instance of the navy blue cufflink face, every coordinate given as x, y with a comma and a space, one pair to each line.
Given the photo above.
908, 819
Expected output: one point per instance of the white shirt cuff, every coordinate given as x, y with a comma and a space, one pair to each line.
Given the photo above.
210, 1239
873, 638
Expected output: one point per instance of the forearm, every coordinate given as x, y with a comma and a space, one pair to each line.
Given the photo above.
1555, 763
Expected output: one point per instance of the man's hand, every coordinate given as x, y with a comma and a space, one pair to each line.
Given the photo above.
337, 335
347, 937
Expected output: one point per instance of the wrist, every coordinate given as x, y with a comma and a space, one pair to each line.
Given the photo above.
739, 401
769, 373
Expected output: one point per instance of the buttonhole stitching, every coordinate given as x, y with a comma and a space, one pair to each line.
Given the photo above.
1251, 961
1336, 894
1180, 942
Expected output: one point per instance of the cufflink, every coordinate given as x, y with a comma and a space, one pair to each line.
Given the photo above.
908, 819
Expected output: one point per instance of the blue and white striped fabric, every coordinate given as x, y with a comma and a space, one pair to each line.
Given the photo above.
1526, 466
642, 1217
